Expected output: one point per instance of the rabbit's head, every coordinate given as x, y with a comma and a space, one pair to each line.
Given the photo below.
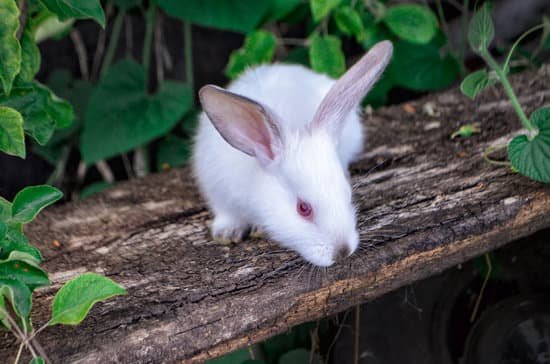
305, 199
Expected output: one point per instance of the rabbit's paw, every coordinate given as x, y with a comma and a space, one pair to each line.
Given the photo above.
227, 230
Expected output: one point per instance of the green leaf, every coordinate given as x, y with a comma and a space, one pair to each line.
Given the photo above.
12, 140
299, 356
30, 57
42, 111
37, 360
126, 4
94, 188
235, 357
48, 25
532, 157
236, 15
326, 56
3, 317
10, 50
476, 82
348, 21
31, 200
482, 30
466, 131
5, 209
9, 246
18, 294
3, 231
411, 22
259, 47
173, 152
24, 272
321, 8
17, 255
421, 67
66, 9
279, 9
122, 116
74, 300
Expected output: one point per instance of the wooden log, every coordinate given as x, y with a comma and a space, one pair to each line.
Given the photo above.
425, 202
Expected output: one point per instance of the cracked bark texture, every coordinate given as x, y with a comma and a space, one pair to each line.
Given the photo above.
425, 203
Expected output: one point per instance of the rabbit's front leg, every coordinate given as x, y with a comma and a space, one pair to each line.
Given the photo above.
227, 228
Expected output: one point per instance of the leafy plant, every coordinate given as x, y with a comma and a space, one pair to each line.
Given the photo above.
528, 153
28, 107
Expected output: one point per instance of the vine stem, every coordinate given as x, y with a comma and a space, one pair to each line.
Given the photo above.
482, 290
149, 25
113, 42
509, 91
492, 149
516, 43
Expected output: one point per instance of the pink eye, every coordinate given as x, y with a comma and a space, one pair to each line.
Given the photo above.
304, 209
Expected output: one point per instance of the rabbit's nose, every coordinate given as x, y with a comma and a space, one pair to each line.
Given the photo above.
340, 253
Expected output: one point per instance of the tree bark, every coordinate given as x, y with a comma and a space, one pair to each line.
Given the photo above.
425, 203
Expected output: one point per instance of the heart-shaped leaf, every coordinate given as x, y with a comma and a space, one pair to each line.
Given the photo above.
476, 82
326, 56
236, 15
74, 300
12, 139
122, 116
532, 157
321, 8
10, 50
482, 30
24, 272
259, 47
411, 22
31, 200
66, 9
37, 360
18, 294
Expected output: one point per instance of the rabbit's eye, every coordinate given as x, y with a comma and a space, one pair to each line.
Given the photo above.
304, 209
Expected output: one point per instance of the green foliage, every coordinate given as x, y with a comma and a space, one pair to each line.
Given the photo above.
236, 15
421, 67
411, 22
10, 50
349, 21
466, 131
30, 58
528, 154
259, 47
37, 360
481, 31
66, 9
31, 200
74, 300
94, 188
321, 8
18, 294
12, 140
326, 56
531, 157
124, 116
300, 356
173, 152
475, 83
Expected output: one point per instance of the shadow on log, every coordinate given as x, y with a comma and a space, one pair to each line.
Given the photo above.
425, 203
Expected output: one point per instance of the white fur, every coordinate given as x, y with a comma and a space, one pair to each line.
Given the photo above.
312, 166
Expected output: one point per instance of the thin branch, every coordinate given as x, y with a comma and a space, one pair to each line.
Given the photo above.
482, 290
81, 53
105, 171
188, 54
113, 41
100, 46
158, 49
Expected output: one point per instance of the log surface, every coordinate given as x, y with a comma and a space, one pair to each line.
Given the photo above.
425, 202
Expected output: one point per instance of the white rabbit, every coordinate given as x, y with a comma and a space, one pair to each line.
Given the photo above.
272, 151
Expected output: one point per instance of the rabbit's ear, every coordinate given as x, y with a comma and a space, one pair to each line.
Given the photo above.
245, 124
349, 89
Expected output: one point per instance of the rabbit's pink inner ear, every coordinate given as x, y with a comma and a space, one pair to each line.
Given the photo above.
243, 123
350, 88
